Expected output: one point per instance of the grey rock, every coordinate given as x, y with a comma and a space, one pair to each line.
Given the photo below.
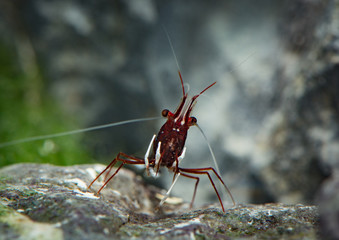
328, 199
52, 202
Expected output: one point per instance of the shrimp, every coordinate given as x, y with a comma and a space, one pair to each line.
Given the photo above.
167, 149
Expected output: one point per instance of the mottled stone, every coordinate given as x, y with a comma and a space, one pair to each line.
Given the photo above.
51, 202
328, 199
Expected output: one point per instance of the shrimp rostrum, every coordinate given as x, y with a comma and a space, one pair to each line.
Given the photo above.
167, 149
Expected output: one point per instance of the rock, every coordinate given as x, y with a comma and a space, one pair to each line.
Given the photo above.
328, 199
52, 202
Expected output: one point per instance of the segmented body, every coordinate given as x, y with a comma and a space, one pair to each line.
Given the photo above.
167, 149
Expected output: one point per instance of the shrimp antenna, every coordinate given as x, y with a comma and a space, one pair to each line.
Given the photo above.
41, 137
176, 59
172, 49
210, 148
215, 161
242, 62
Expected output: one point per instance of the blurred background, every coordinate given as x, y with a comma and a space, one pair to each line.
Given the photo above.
272, 118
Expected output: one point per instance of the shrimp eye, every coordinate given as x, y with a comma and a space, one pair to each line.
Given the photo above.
165, 112
193, 121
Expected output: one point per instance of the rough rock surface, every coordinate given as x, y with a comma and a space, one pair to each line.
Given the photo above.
51, 202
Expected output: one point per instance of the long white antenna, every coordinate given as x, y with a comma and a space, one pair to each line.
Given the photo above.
242, 62
210, 148
41, 137
215, 162
171, 45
